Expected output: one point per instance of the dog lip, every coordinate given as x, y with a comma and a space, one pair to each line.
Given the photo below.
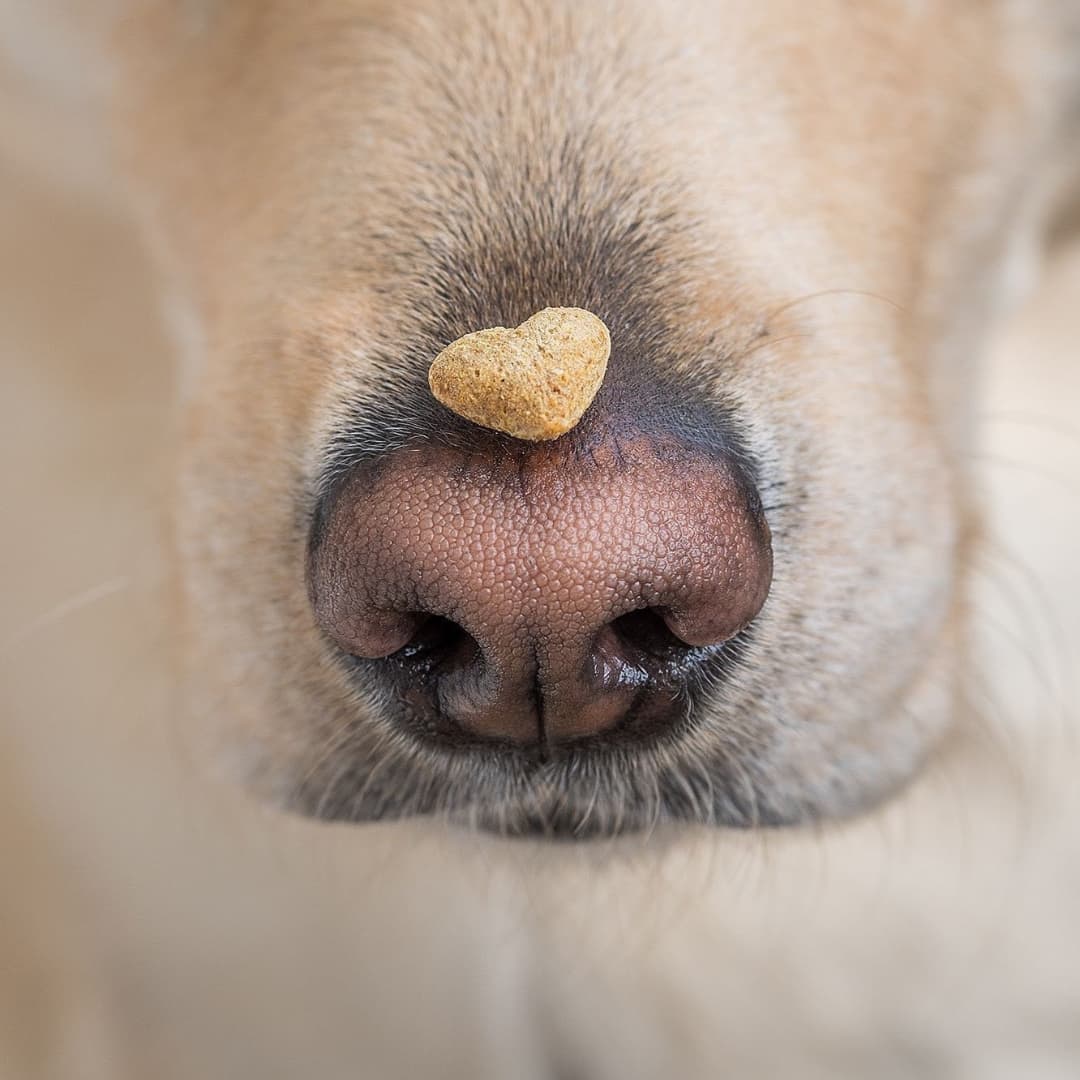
578, 790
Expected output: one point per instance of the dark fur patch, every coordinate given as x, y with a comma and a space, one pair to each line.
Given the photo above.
570, 234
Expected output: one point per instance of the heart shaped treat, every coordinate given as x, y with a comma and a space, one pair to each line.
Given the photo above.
533, 382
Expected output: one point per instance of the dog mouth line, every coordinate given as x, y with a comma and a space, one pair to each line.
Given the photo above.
587, 789
629, 779
550, 805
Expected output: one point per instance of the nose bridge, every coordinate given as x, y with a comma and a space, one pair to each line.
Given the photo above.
551, 595
584, 571
544, 553
605, 545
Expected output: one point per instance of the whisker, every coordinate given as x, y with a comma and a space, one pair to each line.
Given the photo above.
64, 609
1026, 468
787, 305
1045, 659
772, 342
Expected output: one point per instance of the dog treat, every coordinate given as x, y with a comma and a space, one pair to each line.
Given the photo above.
533, 382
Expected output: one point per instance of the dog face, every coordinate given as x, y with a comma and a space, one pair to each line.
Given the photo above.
793, 229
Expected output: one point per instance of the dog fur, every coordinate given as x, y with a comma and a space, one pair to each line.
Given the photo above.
279, 327
814, 243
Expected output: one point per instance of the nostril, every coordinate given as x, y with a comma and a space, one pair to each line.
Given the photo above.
646, 631
637, 649
439, 644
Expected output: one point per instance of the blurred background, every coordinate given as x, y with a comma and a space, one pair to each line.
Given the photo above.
154, 924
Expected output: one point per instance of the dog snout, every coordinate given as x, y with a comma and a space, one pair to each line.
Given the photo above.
538, 594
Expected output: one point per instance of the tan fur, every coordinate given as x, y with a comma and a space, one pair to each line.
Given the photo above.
837, 232
849, 245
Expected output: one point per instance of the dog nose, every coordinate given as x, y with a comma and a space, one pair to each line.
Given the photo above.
540, 593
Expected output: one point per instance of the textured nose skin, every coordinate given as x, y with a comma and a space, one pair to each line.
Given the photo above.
541, 594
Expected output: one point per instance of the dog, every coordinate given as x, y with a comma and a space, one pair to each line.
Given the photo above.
797, 229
